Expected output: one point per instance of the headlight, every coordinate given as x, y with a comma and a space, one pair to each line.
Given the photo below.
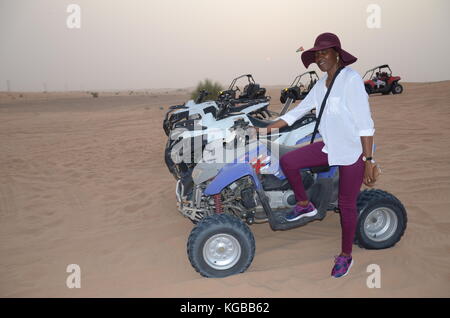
178, 116
195, 117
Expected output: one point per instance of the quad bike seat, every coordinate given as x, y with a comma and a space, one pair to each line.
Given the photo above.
232, 113
283, 149
240, 106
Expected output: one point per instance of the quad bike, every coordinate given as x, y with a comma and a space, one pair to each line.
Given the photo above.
226, 198
188, 138
298, 90
251, 101
380, 80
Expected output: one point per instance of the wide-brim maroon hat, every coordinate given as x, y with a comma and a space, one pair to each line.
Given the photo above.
325, 41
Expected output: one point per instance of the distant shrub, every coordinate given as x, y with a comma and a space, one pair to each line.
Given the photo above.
94, 94
212, 88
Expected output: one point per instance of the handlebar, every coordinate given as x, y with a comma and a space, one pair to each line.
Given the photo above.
240, 124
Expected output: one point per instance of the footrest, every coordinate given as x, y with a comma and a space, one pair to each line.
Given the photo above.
279, 222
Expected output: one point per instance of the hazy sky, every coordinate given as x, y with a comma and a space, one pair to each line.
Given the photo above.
135, 44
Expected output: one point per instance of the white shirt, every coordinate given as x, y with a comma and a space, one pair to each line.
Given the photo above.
346, 116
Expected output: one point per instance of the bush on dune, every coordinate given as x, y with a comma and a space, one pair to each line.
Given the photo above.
212, 88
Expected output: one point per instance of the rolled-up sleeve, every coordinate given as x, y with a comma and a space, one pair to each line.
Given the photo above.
301, 109
358, 104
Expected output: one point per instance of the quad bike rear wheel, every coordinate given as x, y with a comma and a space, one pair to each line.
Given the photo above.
382, 219
221, 245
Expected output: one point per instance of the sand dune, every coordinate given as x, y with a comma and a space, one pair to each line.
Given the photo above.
83, 182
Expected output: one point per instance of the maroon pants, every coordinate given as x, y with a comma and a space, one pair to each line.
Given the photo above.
350, 180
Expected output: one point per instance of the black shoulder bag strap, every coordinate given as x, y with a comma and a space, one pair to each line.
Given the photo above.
316, 127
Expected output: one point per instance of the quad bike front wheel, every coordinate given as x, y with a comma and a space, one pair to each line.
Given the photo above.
382, 220
397, 89
220, 245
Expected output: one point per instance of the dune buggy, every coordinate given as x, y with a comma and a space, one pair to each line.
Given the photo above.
380, 80
298, 90
251, 91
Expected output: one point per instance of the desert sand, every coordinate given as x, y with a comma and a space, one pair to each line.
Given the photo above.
83, 182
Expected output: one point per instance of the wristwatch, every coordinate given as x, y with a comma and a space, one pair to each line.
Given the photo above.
368, 159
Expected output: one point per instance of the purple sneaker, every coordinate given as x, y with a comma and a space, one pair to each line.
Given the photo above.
299, 212
342, 265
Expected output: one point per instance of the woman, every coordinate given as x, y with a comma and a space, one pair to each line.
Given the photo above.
347, 131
